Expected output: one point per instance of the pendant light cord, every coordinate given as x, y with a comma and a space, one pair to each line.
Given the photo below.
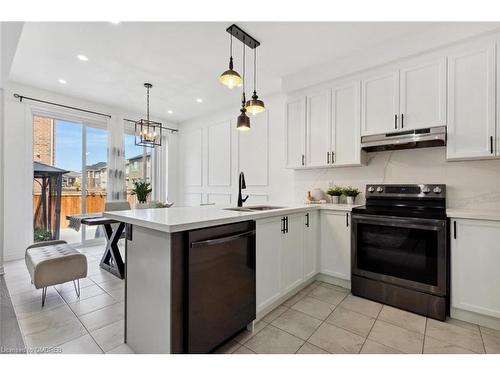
147, 100
254, 68
244, 58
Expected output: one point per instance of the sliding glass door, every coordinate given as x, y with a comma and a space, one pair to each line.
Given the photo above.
95, 174
137, 164
80, 150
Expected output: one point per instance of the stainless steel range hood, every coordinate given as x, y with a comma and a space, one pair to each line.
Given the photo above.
429, 137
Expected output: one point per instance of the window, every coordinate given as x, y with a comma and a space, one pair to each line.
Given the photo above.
137, 164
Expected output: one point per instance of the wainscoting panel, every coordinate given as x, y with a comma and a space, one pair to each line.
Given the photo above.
192, 146
253, 151
219, 154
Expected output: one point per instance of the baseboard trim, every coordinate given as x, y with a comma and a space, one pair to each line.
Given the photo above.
318, 277
283, 298
472, 317
334, 280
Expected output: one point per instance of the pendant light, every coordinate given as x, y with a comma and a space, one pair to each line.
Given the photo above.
230, 77
255, 105
243, 121
147, 132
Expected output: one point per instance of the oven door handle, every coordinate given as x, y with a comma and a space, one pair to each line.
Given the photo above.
396, 221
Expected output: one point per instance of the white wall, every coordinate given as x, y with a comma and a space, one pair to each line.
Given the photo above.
18, 161
9, 38
470, 184
258, 153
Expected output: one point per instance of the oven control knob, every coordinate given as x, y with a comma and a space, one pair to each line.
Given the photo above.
426, 190
437, 190
380, 189
371, 189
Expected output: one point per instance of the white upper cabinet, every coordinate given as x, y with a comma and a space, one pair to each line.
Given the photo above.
423, 95
331, 128
295, 132
471, 102
475, 261
411, 97
345, 132
380, 103
318, 129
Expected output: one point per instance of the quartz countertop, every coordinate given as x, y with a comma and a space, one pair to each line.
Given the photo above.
473, 213
177, 219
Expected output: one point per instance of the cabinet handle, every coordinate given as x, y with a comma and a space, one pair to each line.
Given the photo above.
455, 229
327, 158
333, 157
347, 219
282, 225
395, 121
303, 159
402, 121
491, 144
307, 220
286, 224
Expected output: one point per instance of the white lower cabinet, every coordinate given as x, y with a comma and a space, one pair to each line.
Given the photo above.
286, 255
475, 265
268, 261
336, 244
292, 269
311, 240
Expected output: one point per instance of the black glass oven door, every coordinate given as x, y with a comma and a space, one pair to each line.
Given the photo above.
407, 252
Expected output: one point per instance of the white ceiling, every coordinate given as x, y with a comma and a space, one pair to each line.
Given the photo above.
183, 60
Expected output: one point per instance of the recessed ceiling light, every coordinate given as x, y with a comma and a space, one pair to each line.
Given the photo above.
82, 57
115, 22
170, 111
62, 81
199, 100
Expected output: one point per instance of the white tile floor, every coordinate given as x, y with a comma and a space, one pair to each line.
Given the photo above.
321, 318
91, 324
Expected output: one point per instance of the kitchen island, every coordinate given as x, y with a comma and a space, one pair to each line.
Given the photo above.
156, 280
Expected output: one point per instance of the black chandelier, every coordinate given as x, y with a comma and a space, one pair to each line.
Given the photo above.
148, 133
231, 78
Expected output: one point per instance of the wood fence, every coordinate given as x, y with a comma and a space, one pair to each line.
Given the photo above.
71, 203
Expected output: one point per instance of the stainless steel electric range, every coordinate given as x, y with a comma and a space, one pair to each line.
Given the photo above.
399, 248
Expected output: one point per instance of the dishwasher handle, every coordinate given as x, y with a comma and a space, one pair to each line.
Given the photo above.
218, 241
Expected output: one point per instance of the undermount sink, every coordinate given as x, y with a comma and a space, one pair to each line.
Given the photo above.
253, 208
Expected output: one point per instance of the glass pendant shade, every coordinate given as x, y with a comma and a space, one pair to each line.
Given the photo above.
230, 78
255, 105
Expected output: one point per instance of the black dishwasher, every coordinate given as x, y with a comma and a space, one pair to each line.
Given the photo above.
221, 284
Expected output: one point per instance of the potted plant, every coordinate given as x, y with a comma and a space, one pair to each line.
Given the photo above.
41, 235
335, 193
351, 193
142, 190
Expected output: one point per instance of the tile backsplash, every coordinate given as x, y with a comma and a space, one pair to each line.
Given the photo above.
470, 184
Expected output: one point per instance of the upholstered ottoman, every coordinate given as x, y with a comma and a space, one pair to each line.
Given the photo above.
55, 262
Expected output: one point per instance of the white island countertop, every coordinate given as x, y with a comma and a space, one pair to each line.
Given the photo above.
178, 219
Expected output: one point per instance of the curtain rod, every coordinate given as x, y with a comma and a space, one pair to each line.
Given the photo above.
163, 127
21, 98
